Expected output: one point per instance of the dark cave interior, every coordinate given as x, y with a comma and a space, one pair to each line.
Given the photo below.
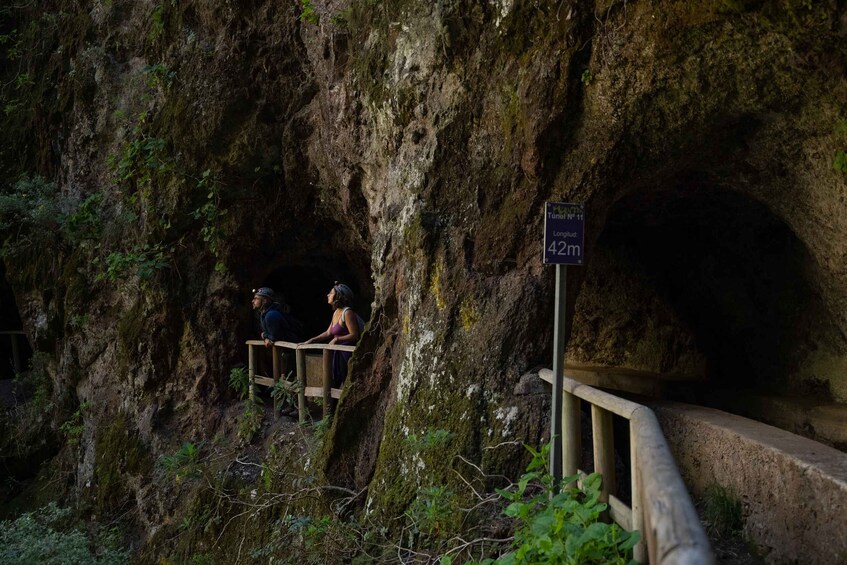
305, 287
734, 273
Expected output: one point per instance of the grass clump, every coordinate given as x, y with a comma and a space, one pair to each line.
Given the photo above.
722, 511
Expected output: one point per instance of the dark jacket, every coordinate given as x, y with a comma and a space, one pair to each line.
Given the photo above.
277, 325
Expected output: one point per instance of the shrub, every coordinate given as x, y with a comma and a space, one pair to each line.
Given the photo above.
239, 381
30, 214
184, 464
38, 538
562, 527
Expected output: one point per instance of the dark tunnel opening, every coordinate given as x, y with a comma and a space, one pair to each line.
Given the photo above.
305, 288
733, 273
303, 283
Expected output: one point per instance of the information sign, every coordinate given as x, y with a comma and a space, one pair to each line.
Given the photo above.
564, 233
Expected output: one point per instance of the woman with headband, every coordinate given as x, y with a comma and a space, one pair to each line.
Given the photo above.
344, 329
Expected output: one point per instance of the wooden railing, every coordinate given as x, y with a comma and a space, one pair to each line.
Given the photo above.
300, 385
17, 363
661, 506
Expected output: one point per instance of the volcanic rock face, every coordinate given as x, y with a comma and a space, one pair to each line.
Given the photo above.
411, 145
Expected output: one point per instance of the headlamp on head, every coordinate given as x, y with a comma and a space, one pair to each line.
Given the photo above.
264, 292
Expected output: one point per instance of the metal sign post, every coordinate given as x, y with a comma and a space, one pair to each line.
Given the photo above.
564, 244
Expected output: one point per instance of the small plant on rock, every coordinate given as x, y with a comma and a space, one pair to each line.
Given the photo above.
184, 464
73, 427
250, 421
308, 13
722, 511
239, 381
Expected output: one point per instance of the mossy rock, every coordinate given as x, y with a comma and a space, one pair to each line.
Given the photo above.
120, 454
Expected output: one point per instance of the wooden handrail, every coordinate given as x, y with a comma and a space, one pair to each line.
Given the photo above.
325, 391
296, 346
661, 507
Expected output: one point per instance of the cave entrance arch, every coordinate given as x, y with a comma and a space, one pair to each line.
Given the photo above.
15, 350
731, 279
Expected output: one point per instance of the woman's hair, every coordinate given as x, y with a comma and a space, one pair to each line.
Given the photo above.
343, 295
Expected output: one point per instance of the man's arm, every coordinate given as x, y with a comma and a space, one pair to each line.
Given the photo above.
273, 327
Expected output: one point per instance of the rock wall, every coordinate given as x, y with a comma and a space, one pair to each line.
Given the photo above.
415, 143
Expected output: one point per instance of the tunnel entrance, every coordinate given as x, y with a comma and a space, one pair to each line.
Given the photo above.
305, 288
733, 275
15, 350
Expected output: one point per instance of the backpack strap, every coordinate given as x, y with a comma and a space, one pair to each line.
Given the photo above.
342, 321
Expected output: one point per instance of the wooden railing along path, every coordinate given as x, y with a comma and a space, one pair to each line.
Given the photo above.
661, 506
17, 363
300, 385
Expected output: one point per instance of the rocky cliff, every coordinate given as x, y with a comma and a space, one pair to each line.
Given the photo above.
172, 155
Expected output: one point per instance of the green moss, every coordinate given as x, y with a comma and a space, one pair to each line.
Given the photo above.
403, 466
119, 455
468, 314
436, 284
132, 327
512, 121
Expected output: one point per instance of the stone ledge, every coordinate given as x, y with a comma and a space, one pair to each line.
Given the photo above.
793, 490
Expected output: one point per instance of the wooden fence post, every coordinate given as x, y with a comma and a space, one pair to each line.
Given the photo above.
251, 371
16, 354
327, 381
638, 552
275, 377
301, 378
604, 449
572, 432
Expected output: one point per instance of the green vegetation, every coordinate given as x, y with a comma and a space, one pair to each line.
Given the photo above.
250, 421
141, 158
308, 13
839, 162
722, 511
562, 527
184, 464
159, 75
120, 454
284, 392
433, 512
25, 428
44, 537
35, 213
142, 261
157, 22
211, 214
432, 439
31, 214
86, 222
73, 427
239, 381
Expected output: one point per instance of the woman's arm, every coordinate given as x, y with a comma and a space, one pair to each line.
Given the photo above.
321, 336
